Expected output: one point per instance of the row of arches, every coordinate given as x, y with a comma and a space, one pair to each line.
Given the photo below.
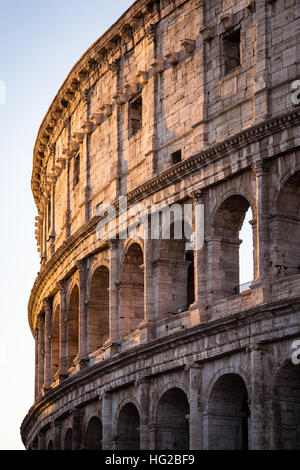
227, 419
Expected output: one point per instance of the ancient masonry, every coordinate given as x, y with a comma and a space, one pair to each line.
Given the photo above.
142, 343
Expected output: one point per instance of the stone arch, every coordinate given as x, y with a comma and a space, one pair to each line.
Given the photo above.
176, 268
228, 414
55, 340
68, 440
286, 406
226, 224
221, 372
93, 434
172, 420
285, 227
128, 428
73, 320
132, 288
98, 308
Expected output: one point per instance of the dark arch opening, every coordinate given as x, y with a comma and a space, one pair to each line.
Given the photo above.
228, 414
288, 425
172, 421
285, 230
73, 318
68, 440
99, 309
132, 290
50, 446
55, 342
93, 436
128, 428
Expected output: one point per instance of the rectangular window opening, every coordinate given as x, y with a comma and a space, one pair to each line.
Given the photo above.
232, 50
176, 157
135, 115
76, 170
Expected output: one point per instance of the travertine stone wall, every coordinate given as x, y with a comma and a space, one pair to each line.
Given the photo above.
151, 343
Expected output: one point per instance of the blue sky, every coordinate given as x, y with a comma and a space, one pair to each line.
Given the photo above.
40, 41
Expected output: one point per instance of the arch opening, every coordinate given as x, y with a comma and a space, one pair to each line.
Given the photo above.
55, 342
128, 428
132, 290
172, 421
176, 269
68, 440
288, 387
228, 414
230, 262
99, 309
93, 435
285, 256
73, 318
50, 446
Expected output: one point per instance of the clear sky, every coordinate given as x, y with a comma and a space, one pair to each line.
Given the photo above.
40, 41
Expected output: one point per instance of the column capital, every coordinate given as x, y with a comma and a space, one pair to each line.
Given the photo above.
47, 302
113, 243
62, 285
81, 265
260, 167
199, 196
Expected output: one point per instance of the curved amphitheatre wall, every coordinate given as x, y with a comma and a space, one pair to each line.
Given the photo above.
147, 342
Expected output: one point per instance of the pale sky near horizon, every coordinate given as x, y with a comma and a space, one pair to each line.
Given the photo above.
39, 44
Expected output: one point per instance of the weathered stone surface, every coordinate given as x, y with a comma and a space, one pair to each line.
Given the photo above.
139, 342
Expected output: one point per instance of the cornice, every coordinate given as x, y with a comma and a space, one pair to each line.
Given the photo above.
168, 177
276, 308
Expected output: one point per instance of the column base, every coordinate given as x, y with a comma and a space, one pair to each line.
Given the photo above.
111, 348
80, 363
198, 313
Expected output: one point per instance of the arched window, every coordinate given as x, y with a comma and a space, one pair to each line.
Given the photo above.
172, 430
132, 289
285, 230
99, 309
55, 342
226, 270
93, 436
128, 428
228, 414
73, 317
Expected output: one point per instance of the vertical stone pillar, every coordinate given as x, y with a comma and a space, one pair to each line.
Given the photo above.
82, 357
57, 435
256, 434
36, 378
41, 353
199, 313
42, 441
196, 440
63, 342
107, 430
262, 250
48, 321
261, 92
148, 327
114, 322
77, 430
144, 394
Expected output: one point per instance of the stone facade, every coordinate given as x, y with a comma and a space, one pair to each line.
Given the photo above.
141, 344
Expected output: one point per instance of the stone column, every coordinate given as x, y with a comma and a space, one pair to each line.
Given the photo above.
147, 327
263, 249
48, 321
41, 353
114, 322
199, 310
256, 434
77, 430
144, 394
36, 380
63, 343
57, 435
261, 83
107, 421
195, 372
82, 357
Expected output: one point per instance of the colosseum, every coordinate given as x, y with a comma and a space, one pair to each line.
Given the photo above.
147, 341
